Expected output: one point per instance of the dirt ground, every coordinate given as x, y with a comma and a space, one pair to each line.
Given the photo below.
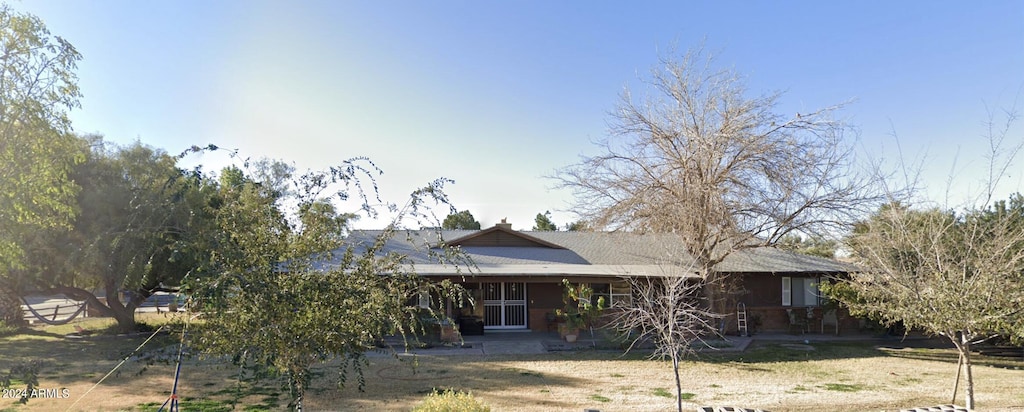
604, 382
772, 376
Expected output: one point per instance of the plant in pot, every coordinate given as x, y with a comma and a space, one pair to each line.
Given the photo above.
569, 324
580, 310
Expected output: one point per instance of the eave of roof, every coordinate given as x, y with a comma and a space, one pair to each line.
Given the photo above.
558, 270
578, 250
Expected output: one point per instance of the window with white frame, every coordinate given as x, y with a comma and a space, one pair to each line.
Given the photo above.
800, 291
618, 293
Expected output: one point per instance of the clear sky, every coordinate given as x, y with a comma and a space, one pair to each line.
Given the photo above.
496, 95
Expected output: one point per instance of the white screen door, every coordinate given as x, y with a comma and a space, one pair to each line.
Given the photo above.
504, 305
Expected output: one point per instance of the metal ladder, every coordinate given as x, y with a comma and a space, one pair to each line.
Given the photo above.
741, 319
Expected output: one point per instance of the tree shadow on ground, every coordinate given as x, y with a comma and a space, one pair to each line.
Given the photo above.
768, 352
413, 378
951, 356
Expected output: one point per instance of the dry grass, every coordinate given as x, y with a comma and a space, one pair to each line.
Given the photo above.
869, 379
837, 376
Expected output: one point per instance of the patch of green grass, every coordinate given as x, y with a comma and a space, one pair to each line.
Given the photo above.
617, 375
687, 396
799, 388
843, 387
714, 385
663, 393
600, 398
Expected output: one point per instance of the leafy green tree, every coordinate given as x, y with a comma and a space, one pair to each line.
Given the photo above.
135, 233
460, 220
958, 274
578, 226
38, 86
543, 222
287, 292
814, 246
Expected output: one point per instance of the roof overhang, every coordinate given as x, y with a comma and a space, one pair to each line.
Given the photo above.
558, 270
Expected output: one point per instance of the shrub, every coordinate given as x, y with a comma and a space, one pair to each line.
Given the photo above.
7, 329
450, 400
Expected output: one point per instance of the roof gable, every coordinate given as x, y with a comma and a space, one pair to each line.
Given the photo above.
501, 236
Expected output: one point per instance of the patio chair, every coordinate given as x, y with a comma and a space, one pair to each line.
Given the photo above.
797, 319
552, 321
829, 318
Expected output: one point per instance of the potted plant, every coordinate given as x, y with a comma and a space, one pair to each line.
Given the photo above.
580, 311
569, 324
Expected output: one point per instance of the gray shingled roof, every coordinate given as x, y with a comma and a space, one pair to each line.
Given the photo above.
597, 252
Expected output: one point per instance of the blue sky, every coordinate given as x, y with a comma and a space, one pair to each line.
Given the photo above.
496, 95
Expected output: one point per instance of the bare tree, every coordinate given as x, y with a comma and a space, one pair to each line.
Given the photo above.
667, 311
697, 157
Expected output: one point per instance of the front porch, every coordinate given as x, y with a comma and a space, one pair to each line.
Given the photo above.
795, 320
514, 304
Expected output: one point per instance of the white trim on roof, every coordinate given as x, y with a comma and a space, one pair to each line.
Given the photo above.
557, 270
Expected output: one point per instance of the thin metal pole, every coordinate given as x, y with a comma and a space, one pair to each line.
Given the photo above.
956, 383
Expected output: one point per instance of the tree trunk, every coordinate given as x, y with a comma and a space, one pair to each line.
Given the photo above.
962, 341
125, 320
679, 385
81, 295
298, 387
123, 313
969, 387
959, 368
10, 308
721, 291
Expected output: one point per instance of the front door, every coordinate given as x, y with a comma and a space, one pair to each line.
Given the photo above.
504, 305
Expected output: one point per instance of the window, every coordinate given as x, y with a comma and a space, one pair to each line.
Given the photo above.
800, 291
618, 293
622, 293
424, 298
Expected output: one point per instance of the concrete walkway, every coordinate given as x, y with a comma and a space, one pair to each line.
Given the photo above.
536, 343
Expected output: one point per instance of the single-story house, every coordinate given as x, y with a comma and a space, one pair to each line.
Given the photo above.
517, 279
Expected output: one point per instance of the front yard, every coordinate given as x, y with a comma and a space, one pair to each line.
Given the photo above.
777, 377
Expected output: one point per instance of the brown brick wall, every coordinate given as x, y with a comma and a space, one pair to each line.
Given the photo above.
543, 298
